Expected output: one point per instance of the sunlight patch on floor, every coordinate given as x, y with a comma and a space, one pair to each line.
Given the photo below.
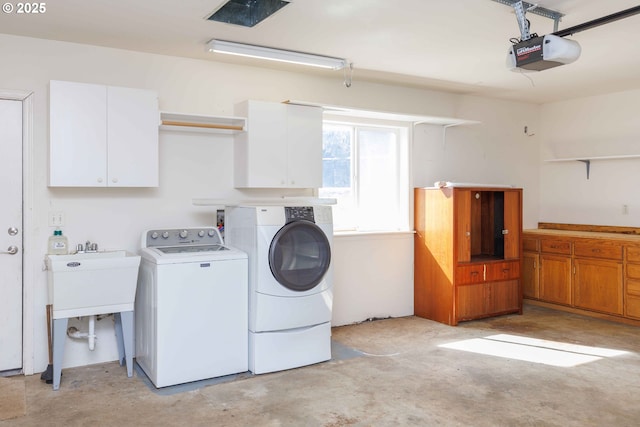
533, 350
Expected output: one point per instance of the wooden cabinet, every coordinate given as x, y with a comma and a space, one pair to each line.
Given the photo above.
282, 147
632, 282
467, 253
555, 278
598, 285
588, 272
102, 136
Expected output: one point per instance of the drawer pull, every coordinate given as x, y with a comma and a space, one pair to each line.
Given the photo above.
595, 250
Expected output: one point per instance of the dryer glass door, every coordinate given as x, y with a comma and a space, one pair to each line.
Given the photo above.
299, 255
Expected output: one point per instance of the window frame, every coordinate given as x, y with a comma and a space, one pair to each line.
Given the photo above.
403, 131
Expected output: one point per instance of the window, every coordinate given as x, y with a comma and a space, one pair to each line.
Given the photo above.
365, 167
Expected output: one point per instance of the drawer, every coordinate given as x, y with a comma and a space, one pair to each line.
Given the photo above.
633, 287
472, 273
633, 254
530, 245
633, 271
632, 307
555, 246
591, 249
503, 271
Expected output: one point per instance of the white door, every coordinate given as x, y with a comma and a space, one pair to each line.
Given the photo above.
11, 235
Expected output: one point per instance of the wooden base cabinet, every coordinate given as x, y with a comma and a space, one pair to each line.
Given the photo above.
467, 253
555, 278
594, 273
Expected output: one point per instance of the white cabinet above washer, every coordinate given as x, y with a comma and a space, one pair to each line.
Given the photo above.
282, 147
102, 136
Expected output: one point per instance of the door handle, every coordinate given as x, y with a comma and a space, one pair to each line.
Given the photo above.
11, 250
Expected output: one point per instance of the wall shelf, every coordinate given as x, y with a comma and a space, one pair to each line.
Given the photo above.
201, 123
588, 159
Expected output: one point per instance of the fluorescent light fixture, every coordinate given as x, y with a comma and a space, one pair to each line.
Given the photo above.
261, 52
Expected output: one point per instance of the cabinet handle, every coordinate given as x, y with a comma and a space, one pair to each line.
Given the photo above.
594, 250
505, 231
468, 233
484, 272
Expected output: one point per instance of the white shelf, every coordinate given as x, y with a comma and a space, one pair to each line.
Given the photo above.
201, 123
588, 159
275, 201
581, 159
415, 119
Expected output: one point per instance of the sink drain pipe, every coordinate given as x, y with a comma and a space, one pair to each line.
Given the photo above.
73, 332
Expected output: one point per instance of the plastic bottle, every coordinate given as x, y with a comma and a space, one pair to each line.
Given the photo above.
58, 244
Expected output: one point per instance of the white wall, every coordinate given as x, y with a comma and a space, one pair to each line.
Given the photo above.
496, 151
200, 166
594, 126
373, 277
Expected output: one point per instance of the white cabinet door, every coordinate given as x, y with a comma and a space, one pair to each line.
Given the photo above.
102, 136
282, 147
132, 134
260, 153
78, 135
304, 146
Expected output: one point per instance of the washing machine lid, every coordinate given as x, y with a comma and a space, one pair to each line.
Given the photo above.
299, 255
173, 255
192, 249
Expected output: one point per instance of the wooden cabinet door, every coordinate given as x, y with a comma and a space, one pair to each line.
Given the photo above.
502, 296
597, 285
462, 214
512, 224
471, 301
555, 279
530, 278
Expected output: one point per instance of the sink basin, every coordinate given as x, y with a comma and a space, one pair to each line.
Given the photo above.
92, 283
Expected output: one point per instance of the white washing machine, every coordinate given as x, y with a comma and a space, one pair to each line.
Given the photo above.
191, 306
290, 282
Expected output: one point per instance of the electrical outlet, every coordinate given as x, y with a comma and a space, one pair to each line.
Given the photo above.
56, 219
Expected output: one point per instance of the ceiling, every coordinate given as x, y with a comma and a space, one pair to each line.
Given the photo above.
452, 45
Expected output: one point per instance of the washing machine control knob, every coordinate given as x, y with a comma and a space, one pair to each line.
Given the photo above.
201, 233
184, 234
211, 233
165, 235
154, 235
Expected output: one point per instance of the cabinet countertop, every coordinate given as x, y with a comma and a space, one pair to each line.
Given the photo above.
582, 234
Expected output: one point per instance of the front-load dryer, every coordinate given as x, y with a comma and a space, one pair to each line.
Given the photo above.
290, 282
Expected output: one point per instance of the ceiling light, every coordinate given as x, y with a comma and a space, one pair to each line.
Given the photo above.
252, 51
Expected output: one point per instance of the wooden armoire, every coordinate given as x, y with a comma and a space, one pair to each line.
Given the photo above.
468, 252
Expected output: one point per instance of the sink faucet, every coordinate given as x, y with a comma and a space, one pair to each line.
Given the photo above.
88, 247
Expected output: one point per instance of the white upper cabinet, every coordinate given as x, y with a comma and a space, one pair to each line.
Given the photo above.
102, 136
282, 147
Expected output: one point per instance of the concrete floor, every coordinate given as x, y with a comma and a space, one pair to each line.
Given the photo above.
399, 375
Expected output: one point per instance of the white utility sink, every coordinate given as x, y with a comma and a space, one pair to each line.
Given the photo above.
90, 283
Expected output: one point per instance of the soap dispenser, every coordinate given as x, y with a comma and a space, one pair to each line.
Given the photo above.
58, 244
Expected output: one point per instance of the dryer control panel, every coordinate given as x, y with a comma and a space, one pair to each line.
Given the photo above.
299, 212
